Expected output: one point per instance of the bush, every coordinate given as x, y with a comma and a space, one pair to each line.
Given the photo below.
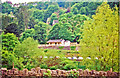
69, 67
46, 50
59, 51
61, 47
82, 67
43, 66
53, 68
72, 47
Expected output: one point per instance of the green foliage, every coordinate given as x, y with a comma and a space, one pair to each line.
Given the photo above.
27, 33
61, 11
74, 24
6, 8
43, 66
6, 19
30, 6
32, 22
9, 58
53, 68
51, 9
46, 50
61, 47
84, 10
23, 49
53, 17
87, 8
41, 32
12, 28
113, 4
75, 10
74, 74
100, 39
98, 36
42, 5
61, 31
65, 4
82, 67
22, 15
69, 67
73, 47
38, 14
28, 50
9, 41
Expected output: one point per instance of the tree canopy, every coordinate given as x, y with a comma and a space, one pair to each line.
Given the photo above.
100, 38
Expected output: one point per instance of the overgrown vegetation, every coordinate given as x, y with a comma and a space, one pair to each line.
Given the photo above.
61, 47
73, 47
94, 25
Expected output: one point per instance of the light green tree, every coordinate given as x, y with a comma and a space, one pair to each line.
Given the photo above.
27, 51
100, 39
9, 41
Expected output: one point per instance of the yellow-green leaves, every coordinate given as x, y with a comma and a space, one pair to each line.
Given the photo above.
100, 38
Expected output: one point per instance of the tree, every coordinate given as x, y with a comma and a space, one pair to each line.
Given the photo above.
100, 39
30, 6
12, 28
9, 41
23, 18
87, 8
38, 14
27, 33
76, 22
41, 32
75, 10
53, 17
66, 32
6, 8
53, 34
61, 31
32, 22
84, 10
19, 14
43, 5
61, 11
27, 51
6, 19
51, 9
65, 17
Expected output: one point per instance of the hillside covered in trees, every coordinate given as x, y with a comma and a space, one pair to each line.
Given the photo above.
93, 25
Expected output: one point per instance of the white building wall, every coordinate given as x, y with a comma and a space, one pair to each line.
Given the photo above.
67, 43
62, 42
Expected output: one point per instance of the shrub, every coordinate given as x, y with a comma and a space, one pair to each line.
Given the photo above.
61, 47
46, 50
82, 67
69, 67
43, 66
74, 74
53, 68
72, 47
59, 51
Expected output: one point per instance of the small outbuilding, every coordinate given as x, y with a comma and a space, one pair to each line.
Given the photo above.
59, 42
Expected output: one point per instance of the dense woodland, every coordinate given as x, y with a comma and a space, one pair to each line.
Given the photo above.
94, 25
